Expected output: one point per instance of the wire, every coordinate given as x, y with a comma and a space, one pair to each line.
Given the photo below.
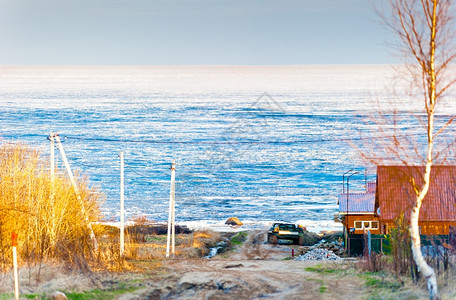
230, 142
145, 177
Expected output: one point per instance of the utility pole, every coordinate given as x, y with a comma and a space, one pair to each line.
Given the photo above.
16, 277
51, 138
171, 215
346, 216
343, 180
122, 223
172, 194
76, 189
52, 166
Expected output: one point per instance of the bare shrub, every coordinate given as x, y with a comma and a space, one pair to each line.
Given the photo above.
403, 262
51, 220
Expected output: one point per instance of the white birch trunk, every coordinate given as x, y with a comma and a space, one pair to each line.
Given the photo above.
423, 267
425, 28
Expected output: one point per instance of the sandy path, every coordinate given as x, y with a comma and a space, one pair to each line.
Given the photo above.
239, 279
257, 270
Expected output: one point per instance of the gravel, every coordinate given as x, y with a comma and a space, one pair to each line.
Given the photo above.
318, 254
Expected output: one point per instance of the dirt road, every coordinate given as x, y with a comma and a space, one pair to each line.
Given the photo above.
239, 279
255, 270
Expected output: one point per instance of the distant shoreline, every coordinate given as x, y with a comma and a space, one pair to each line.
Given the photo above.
220, 226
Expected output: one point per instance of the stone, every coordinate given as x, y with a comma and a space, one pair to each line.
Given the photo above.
234, 221
318, 254
58, 296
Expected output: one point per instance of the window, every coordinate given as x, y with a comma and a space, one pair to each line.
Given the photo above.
368, 225
374, 224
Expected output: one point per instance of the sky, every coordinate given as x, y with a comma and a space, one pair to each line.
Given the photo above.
191, 32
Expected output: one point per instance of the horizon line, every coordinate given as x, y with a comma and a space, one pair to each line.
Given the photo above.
201, 65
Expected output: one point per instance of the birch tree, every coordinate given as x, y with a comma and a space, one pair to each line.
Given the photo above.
425, 32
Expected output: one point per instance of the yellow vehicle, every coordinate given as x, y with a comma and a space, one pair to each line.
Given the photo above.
285, 231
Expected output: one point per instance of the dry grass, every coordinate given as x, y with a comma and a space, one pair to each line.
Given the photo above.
146, 242
193, 245
52, 221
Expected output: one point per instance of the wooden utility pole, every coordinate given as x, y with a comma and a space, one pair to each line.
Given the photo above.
122, 191
67, 165
76, 189
171, 215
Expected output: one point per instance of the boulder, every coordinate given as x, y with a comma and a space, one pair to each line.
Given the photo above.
310, 238
58, 296
233, 221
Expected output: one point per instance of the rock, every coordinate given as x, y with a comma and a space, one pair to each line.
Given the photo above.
234, 266
303, 227
233, 221
310, 238
58, 296
225, 286
333, 236
318, 254
160, 229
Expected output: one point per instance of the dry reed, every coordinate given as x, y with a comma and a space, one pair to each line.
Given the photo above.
52, 221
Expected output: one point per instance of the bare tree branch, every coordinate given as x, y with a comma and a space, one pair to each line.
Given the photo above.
425, 30
444, 126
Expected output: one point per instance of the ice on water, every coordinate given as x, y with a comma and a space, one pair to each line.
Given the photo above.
308, 112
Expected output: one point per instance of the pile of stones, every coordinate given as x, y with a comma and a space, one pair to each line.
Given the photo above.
333, 246
318, 254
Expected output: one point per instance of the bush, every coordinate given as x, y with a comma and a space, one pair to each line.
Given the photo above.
401, 248
52, 221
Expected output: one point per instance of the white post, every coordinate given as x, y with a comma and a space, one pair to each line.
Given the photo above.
76, 189
122, 225
51, 137
171, 211
16, 277
172, 195
52, 189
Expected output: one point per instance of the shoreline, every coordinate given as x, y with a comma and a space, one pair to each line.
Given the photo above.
318, 227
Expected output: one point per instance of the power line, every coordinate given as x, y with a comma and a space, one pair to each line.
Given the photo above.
234, 142
145, 177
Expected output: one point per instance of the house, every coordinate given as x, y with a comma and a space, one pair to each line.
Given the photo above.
395, 194
357, 212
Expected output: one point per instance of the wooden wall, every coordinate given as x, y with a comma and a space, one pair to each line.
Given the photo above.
367, 219
430, 227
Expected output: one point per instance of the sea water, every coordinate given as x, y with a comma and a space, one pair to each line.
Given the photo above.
263, 143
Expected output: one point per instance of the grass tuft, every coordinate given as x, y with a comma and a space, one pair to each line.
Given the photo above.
101, 294
323, 289
239, 238
323, 269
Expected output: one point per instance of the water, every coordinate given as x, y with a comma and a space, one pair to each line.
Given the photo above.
258, 143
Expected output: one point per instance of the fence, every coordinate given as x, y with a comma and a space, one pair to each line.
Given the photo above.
380, 243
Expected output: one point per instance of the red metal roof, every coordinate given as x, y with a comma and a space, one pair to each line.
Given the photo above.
357, 203
396, 193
